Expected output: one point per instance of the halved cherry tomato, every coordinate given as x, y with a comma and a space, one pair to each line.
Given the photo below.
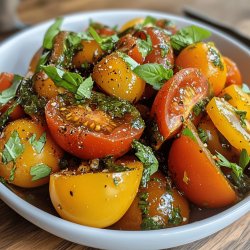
96, 199
237, 98
233, 72
89, 132
207, 58
5, 82
229, 123
33, 63
114, 76
176, 99
195, 172
131, 23
157, 202
49, 154
103, 30
162, 51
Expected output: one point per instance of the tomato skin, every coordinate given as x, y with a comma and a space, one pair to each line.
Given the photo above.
95, 199
115, 78
90, 53
199, 56
50, 154
196, 174
228, 123
131, 23
160, 40
233, 72
162, 199
86, 144
176, 98
5, 82
34, 61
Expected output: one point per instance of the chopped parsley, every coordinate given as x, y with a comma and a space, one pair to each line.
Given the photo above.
39, 144
143, 203
109, 163
227, 97
200, 106
187, 132
152, 223
12, 174
39, 171
242, 116
175, 217
146, 155
215, 57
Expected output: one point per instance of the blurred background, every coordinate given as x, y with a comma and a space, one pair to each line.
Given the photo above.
230, 14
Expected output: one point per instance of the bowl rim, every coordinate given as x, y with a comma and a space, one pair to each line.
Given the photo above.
21, 206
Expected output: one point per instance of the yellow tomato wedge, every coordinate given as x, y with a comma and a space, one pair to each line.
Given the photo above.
237, 98
131, 23
95, 199
228, 122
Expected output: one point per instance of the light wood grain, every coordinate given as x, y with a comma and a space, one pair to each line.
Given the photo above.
18, 234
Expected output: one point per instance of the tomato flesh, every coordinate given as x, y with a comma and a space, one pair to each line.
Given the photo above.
89, 133
176, 99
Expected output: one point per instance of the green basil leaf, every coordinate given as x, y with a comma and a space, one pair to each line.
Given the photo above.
73, 82
50, 34
85, 88
39, 171
144, 46
43, 60
203, 135
149, 20
39, 144
10, 93
154, 74
106, 43
244, 159
13, 148
188, 35
12, 174
128, 60
146, 155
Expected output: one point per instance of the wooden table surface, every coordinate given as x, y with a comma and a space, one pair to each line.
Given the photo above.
16, 232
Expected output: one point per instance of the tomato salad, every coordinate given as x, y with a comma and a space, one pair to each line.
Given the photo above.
130, 128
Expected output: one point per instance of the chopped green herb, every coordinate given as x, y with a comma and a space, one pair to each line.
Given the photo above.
200, 106
13, 148
2, 180
152, 223
8, 94
215, 57
203, 135
242, 116
149, 20
50, 34
143, 203
227, 97
164, 50
222, 161
106, 43
187, 132
128, 60
109, 163
147, 157
12, 174
73, 82
244, 159
39, 171
144, 46
116, 181
43, 60
39, 144
245, 88
175, 217
188, 35
154, 74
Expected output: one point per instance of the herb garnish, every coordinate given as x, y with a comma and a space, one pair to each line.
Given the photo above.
175, 217
215, 57
147, 157
188, 35
39, 144
8, 94
50, 34
42, 61
242, 116
244, 159
154, 74
203, 135
13, 148
143, 202
109, 163
200, 106
187, 132
227, 97
128, 60
73, 82
144, 46
39, 171
106, 43
152, 223
12, 174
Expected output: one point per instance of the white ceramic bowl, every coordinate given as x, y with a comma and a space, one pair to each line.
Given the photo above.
15, 54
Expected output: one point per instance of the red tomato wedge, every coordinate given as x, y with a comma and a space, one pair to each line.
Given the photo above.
195, 172
176, 99
89, 132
